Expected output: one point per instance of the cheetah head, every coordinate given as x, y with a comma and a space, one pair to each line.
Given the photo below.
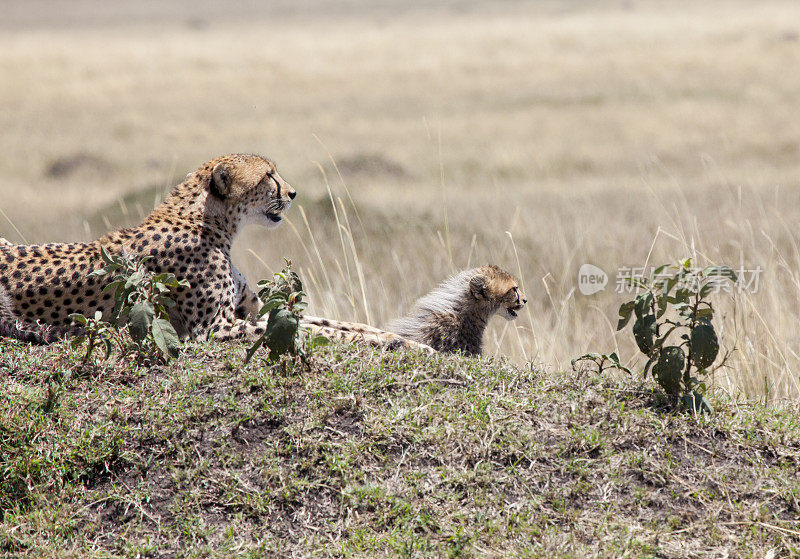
512, 302
251, 189
497, 290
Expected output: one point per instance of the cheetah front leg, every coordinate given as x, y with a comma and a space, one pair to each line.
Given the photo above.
247, 302
233, 316
238, 329
224, 326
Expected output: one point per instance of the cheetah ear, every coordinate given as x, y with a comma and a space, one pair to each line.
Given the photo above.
477, 284
220, 184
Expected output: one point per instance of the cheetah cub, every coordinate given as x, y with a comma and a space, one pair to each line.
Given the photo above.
452, 317
455, 314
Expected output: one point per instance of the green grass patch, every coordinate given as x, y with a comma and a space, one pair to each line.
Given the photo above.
361, 453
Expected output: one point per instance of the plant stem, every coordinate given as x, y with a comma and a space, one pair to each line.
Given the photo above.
686, 376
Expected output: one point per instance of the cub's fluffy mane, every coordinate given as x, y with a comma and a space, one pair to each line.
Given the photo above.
448, 297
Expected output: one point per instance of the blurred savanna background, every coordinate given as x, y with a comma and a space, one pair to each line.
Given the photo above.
424, 138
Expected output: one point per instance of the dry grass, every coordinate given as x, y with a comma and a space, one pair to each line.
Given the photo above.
594, 134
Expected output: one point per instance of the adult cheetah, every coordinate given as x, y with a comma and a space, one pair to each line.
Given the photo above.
190, 235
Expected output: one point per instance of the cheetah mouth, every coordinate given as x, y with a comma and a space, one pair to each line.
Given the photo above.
273, 217
513, 312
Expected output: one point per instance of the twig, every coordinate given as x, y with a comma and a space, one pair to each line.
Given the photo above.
444, 380
711, 452
763, 525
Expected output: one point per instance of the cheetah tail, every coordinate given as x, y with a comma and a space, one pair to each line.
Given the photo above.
36, 333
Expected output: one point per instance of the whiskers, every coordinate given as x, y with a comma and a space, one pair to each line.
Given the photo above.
277, 206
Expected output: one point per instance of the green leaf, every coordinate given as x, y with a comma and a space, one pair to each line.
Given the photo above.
282, 298
140, 318
77, 341
707, 289
685, 310
648, 365
662, 304
663, 338
656, 272
681, 296
106, 256
135, 279
113, 285
161, 288
644, 332
625, 311
720, 271
167, 279
281, 331
272, 303
642, 304
704, 344
316, 341
251, 351
299, 307
116, 312
696, 403
79, 318
166, 338
705, 314
668, 369
671, 282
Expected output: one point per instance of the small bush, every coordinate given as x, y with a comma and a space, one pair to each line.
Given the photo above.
142, 301
283, 298
96, 333
674, 329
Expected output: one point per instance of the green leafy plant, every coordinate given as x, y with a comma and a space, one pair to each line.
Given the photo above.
142, 300
602, 361
96, 333
283, 299
674, 329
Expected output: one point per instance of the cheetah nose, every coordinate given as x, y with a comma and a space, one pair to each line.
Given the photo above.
524, 301
292, 194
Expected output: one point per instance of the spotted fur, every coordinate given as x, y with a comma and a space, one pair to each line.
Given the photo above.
451, 318
190, 235
355, 332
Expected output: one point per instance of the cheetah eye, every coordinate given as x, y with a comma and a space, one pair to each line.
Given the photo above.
270, 179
